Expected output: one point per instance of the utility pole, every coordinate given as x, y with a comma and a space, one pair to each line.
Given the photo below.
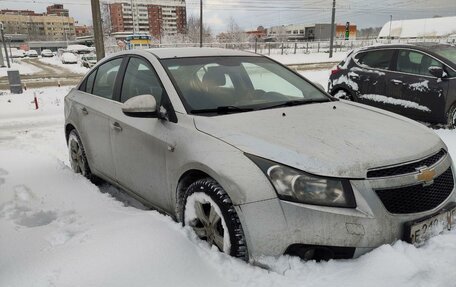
333, 20
201, 23
97, 29
4, 45
391, 21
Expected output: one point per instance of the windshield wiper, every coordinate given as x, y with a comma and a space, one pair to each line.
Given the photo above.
294, 103
222, 110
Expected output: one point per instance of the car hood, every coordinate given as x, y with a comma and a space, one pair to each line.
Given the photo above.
337, 139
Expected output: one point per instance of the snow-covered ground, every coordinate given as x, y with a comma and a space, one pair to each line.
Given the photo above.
22, 67
58, 229
319, 76
309, 58
74, 68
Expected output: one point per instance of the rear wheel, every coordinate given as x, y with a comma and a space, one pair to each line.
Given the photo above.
210, 213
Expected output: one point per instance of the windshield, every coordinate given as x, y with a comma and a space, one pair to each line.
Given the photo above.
238, 84
448, 52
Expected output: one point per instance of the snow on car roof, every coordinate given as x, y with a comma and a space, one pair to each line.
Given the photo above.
166, 53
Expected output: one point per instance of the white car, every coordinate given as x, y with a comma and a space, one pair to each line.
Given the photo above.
47, 53
256, 159
31, 54
69, 58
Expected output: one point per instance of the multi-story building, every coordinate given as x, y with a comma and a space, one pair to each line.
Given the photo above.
58, 10
155, 17
37, 26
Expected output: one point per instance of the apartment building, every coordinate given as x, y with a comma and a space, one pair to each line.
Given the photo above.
37, 26
155, 17
58, 10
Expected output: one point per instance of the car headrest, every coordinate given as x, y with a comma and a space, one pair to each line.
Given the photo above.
215, 76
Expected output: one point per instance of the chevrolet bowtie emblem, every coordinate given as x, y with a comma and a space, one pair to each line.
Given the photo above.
426, 175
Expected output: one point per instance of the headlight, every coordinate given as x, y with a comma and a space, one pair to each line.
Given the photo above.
295, 185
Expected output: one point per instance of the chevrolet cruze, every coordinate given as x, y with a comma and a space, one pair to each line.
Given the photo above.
256, 159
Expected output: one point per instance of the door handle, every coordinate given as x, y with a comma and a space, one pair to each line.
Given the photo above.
116, 126
397, 82
84, 111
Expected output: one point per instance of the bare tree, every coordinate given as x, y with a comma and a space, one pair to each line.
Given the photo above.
235, 34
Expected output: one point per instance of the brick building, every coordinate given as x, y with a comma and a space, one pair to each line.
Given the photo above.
154, 17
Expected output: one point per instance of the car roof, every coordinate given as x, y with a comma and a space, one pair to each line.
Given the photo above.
167, 53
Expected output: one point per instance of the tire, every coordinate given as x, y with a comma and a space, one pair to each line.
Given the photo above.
343, 95
77, 156
451, 117
208, 210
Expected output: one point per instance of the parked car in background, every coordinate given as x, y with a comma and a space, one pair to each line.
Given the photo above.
16, 53
47, 53
256, 159
69, 58
32, 54
88, 61
417, 81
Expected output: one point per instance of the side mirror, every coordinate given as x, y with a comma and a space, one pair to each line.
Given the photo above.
143, 106
437, 72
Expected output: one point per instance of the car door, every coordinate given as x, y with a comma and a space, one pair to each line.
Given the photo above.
422, 96
369, 74
94, 108
139, 144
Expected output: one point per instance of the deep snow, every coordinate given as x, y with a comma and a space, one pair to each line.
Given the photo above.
58, 229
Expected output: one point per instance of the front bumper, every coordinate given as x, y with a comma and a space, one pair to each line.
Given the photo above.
272, 226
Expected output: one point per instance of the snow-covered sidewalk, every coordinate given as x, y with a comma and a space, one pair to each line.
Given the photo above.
22, 67
58, 229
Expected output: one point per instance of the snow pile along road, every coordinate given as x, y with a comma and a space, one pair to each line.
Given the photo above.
73, 68
58, 229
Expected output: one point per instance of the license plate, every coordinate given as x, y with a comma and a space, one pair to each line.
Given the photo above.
423, 229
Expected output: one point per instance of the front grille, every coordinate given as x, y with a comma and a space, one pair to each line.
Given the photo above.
406, 168
418, 198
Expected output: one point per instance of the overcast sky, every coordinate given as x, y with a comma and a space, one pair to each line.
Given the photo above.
252, 13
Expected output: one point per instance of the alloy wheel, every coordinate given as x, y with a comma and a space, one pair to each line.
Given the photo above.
208, 224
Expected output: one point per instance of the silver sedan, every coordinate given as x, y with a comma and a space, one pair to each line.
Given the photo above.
254, 157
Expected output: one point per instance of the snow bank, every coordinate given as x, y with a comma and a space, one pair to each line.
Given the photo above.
74, 68
320, 76
58, 229
22, 67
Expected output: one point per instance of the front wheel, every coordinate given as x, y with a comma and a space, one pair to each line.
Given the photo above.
78, 158
343, 95
210, 213
451, 117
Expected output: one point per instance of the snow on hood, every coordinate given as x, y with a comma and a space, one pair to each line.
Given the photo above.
337, 139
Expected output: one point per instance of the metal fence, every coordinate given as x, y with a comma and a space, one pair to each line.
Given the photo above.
286, 48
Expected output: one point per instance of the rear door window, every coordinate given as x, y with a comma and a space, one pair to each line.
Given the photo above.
414, 62
380, 59
106, 79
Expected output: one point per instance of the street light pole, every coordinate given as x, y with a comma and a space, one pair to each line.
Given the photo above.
97, 29
391, 21
201, 23
333, 20
4, 45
